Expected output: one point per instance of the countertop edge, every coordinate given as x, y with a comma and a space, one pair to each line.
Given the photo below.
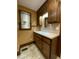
46, 36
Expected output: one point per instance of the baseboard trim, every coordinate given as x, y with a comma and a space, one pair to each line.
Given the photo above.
18, 53
23, 45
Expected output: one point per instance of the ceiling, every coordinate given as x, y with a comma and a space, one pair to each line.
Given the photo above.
32, 4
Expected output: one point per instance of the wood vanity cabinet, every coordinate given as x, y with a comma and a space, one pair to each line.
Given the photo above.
54, 12
46, 46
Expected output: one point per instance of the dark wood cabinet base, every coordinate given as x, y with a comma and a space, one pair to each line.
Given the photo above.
47, 46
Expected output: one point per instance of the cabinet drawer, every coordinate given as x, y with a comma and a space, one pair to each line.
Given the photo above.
37, 35
46, 40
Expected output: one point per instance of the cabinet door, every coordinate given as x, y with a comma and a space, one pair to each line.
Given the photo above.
53, 11
46, 50
58, 12
38, 41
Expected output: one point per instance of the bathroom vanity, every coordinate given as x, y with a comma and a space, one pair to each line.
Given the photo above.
47, 43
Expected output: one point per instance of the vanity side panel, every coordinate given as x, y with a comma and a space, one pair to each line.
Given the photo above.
53, 48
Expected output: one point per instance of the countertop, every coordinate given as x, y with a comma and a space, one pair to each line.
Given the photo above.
48, 34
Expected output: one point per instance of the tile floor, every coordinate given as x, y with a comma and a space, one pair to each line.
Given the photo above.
31, 53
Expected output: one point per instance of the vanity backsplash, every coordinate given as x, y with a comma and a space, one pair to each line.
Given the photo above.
51, 28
